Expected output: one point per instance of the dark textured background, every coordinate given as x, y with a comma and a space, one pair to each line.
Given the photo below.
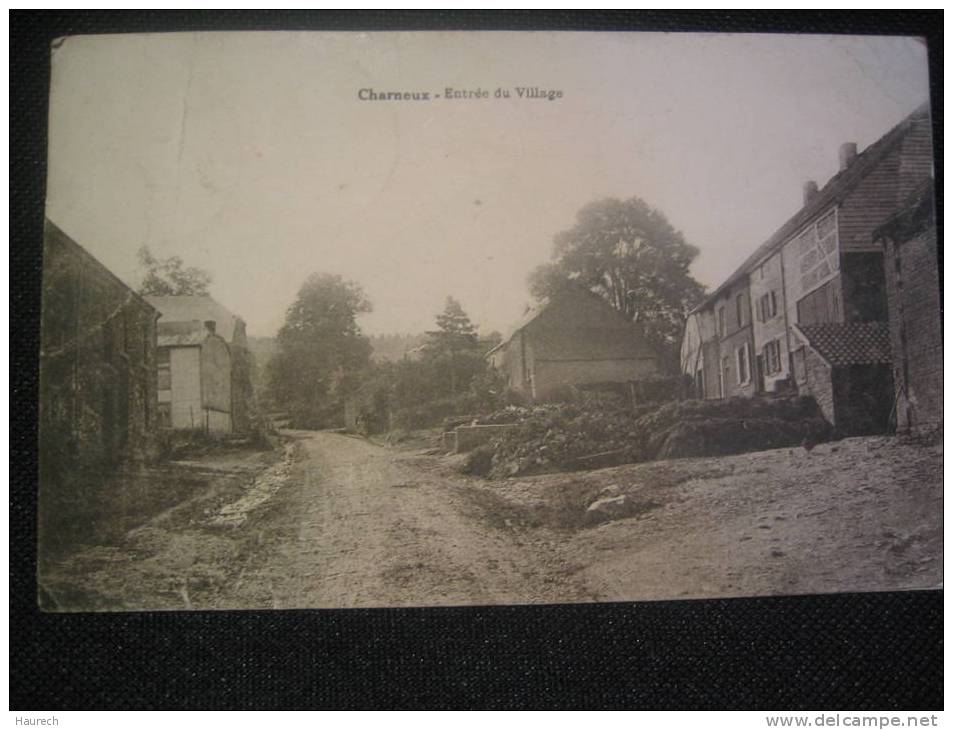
854, 651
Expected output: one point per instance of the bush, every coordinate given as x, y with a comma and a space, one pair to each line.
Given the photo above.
432, 413
478, 462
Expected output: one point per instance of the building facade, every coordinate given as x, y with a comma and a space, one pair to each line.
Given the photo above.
97, 365
813, 282
574, 338
194, 378
199, 341
914, 305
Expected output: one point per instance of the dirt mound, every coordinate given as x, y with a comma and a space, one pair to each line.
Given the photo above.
731, 426
560, 437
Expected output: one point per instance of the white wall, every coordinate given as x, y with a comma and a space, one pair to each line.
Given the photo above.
764, 279
186, 388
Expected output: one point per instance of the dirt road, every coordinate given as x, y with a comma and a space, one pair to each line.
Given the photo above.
336, 521
360, 525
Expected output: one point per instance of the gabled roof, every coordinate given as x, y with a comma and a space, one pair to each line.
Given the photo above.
196, 309
833, 192
51, 231
586, 343
529, 315
849, 343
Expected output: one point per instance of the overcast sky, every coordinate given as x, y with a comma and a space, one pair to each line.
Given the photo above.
251, 155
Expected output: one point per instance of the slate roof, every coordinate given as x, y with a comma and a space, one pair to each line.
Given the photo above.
54, 232
588, 344
833, 192
196, 309
619, 341
849, 343
529, 315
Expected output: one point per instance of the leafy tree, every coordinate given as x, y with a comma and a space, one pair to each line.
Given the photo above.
170, 277
630, 254
455, 344
321, 351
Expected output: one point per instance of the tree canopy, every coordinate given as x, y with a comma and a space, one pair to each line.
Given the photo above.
321, 351
171, 277
628, 253
455, 345
454, 331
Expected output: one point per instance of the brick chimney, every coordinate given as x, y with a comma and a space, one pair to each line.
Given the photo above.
210, 326
810, 190
847, 154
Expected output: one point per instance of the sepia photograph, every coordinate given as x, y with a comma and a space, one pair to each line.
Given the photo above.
445, 318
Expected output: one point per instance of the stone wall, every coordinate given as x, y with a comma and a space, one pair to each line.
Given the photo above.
914, 304
97, 365
819, 384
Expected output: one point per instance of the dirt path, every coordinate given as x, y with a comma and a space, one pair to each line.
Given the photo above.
358, 525
335, 521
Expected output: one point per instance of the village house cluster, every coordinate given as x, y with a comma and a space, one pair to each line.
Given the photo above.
842, 303
117, 367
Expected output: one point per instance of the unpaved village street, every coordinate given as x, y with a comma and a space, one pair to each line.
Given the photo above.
334, 520
360, 526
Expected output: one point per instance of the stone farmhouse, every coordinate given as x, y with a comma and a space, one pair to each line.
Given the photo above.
573, 338
808, 311
203, 366
97, 365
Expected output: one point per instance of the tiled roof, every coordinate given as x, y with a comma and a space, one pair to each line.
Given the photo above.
836, 188
849, 343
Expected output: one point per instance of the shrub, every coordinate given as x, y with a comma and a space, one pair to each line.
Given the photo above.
478, 462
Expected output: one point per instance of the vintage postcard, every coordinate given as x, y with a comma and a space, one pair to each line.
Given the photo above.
465, 318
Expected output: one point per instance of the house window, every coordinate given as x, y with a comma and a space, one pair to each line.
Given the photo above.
768, 306
163, 369
744, 370
740, 309
725, 372
721, 321
772, 357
